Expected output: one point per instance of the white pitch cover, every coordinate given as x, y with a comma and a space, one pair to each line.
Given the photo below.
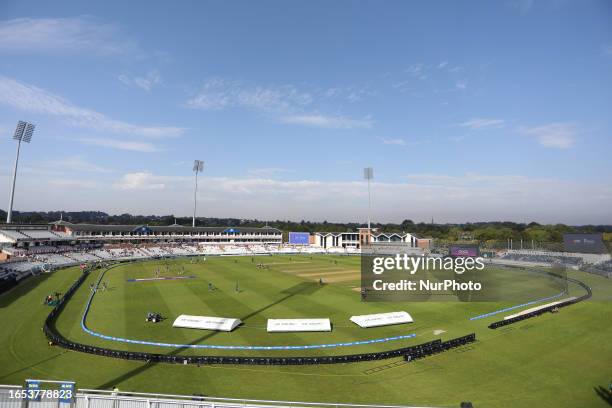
382, 319
298, 325
206, 323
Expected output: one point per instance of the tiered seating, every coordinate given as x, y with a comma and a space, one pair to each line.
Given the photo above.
257, 249
180, 250
83, 256
20, 270
122, 253
235, 250
102, 253
44, 249
157, 251
602, 268
605, 266
30, 261
542, 258
14, 234
209, 250
54, 259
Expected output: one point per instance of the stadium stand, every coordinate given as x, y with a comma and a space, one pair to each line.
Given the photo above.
603, 269
45, 258
547, 258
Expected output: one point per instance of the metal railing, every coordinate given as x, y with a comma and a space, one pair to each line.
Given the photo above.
89, 398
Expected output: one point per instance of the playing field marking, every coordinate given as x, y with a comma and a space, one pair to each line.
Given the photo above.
482, 316
225, 347
219, 367
35, 367
343, 278
385, 367
316, 268
289, 263
165, 278
317, 274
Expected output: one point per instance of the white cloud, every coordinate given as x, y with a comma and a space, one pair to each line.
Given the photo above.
51, 35
483, 123
461, 84
461, 197
146, 82
442, 64
333, 92
74, 184
267, 172
330, 122
30, 98
397, 142
402, 86
351, 94
471, 178
456, 138
286, 104
524, 6
417, 71
74, 164
142, 147
448, 197
144, 180
554, 135
218, 94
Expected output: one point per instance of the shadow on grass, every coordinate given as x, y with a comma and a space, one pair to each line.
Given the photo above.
604, 394
18, 289
301, 288
34, 364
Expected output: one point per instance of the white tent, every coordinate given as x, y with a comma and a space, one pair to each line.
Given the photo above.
206, 323
299, 325
382, 319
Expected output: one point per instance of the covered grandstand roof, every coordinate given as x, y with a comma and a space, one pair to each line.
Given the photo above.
61, 222
376, 234
29, 232
168, 228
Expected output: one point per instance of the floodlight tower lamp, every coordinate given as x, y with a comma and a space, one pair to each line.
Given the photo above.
198, 167
23, 133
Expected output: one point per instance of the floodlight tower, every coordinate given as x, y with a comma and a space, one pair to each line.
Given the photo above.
368, 174
23, 133
198, 167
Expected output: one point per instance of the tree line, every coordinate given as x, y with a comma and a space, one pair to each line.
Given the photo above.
477, 231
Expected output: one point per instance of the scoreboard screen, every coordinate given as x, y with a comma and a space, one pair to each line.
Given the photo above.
464, 251
584, 243
299, 238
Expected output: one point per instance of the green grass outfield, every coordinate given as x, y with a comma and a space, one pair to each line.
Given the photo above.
555, 360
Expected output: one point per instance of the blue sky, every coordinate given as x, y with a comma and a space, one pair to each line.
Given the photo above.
467, 111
